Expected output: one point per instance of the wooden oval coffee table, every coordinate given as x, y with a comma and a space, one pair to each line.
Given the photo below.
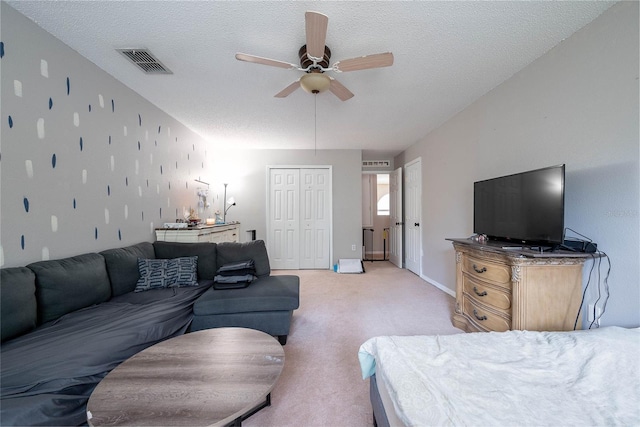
212, 377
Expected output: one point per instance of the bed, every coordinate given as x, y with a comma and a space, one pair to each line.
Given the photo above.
505, 378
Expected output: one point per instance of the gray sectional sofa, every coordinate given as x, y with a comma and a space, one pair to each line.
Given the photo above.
66, 323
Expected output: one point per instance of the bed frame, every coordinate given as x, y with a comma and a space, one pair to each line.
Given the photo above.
379, 414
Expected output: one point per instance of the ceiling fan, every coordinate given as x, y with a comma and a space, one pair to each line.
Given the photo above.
314, 61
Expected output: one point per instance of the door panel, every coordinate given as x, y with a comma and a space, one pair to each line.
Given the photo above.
284, 222
315, 218
395, 217
412, 204
300, 218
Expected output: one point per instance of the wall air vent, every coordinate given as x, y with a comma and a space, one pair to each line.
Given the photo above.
145, 60
376, 163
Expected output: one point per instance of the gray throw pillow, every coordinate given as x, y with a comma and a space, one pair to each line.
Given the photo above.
167, 273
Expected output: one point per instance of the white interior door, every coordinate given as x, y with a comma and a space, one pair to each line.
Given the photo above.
299, 217
284, 218
315, 218
395, 217
412, 215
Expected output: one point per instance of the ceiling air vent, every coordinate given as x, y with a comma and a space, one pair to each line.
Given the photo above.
145, 60
376, 163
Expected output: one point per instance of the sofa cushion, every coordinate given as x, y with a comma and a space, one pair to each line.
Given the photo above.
229, 252
69, 284
18, 303
167, 273
272, 293
206, 253
122, 266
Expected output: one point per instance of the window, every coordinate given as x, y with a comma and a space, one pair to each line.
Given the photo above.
382, 194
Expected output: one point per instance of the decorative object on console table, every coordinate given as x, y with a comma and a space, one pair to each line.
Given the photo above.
210, 233
500, 289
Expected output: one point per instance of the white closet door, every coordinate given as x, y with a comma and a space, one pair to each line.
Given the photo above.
315, 218
284, 215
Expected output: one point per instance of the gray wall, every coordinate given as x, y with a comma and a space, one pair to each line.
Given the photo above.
96, 175
578, 105
246, 175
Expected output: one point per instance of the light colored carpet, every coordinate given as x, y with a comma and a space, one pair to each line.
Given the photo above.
321, 384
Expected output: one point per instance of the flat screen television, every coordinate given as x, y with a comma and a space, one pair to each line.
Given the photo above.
526, 207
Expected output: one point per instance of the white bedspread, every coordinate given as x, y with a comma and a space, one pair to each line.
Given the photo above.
515, 378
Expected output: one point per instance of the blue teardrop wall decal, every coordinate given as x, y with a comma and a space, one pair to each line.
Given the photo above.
126, 181
74, 203
50, 103
53, 160
156, 142
138, 145
108, 190
10, 122
159, 129
26, 204
113, 106
169, 185
89, 107
81, 144
22, 241
109, 139
142, 215
68, 86
160, 169
160, 212
147, 183
119, 234
139, 120
176, 165
95, 233
1, 49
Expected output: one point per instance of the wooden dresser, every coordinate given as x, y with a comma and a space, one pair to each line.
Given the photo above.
502, 289
205, 233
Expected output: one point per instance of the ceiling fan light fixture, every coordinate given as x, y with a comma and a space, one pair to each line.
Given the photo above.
315, 82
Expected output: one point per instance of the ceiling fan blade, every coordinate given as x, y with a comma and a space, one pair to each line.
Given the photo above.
339, 90
316, 29
264, 61
376, 60
288, 90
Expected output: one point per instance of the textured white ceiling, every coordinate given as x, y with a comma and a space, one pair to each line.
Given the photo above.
447, 55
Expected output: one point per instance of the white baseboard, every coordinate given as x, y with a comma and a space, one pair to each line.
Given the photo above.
440, 286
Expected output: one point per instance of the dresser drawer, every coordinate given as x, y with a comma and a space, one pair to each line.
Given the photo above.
487, 270
485, 318
486, 295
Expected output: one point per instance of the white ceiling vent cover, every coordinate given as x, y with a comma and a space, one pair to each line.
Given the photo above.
145, 60
376, 163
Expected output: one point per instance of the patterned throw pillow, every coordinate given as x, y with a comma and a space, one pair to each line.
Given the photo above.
167, 273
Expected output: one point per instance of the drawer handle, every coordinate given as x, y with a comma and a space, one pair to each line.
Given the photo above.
482, 270
481, 318
480, 294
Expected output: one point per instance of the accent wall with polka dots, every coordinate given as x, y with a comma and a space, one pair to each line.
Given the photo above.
86, 164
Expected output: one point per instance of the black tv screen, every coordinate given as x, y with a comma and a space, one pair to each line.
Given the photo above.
526, 207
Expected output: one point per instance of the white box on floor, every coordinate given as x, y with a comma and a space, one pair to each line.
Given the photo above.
350, 266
